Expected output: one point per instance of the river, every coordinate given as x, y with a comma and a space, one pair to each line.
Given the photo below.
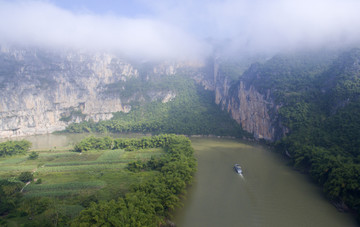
270, 193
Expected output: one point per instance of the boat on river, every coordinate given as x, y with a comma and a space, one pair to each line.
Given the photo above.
237, 168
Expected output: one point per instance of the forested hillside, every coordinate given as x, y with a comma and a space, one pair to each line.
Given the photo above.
191, 111
319, 97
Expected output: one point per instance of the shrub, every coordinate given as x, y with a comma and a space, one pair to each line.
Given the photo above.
33, 155
26, 176
14, 147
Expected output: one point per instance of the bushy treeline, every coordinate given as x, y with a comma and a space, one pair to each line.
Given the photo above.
191, 112
148, 203
103, 143
94, 143
14, 147
320, 106
9, 195
327, 147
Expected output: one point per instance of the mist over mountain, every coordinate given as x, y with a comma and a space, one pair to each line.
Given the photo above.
174, 30
286, 73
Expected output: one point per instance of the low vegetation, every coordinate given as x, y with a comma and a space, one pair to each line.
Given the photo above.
33, 155
150, 202
98, 183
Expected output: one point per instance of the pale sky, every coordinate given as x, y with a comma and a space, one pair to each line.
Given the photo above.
163, 29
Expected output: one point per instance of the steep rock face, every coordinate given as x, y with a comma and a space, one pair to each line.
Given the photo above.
256, 112
43, 91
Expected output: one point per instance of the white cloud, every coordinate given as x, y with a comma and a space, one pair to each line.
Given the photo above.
176, 29
268, 25
41, 23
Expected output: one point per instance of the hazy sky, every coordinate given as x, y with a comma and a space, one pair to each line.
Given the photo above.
181, 29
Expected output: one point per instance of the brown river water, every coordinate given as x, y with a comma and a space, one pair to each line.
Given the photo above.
269, 193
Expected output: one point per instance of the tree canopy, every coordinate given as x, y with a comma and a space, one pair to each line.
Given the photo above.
148, 203
14, 147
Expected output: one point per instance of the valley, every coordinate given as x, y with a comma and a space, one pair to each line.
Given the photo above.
304, 105
133, 113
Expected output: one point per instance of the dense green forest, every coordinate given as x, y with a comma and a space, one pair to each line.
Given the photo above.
319, 95
191, 112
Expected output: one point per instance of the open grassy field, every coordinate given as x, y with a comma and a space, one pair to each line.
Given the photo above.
73, 177
97, 171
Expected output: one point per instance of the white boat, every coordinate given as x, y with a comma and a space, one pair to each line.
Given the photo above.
237, 168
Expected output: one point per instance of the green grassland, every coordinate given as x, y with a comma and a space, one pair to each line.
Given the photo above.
75, 179
76, 172
125, 182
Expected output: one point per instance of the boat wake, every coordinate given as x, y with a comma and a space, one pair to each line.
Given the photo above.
242, 176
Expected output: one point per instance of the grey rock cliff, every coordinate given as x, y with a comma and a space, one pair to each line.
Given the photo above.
39, 89
256, 112
43, 91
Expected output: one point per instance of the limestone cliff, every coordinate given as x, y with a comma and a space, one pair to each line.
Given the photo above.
255, 111
43, 91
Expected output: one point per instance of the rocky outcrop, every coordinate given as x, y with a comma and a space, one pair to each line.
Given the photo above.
43, 91
40, 88
256, 112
